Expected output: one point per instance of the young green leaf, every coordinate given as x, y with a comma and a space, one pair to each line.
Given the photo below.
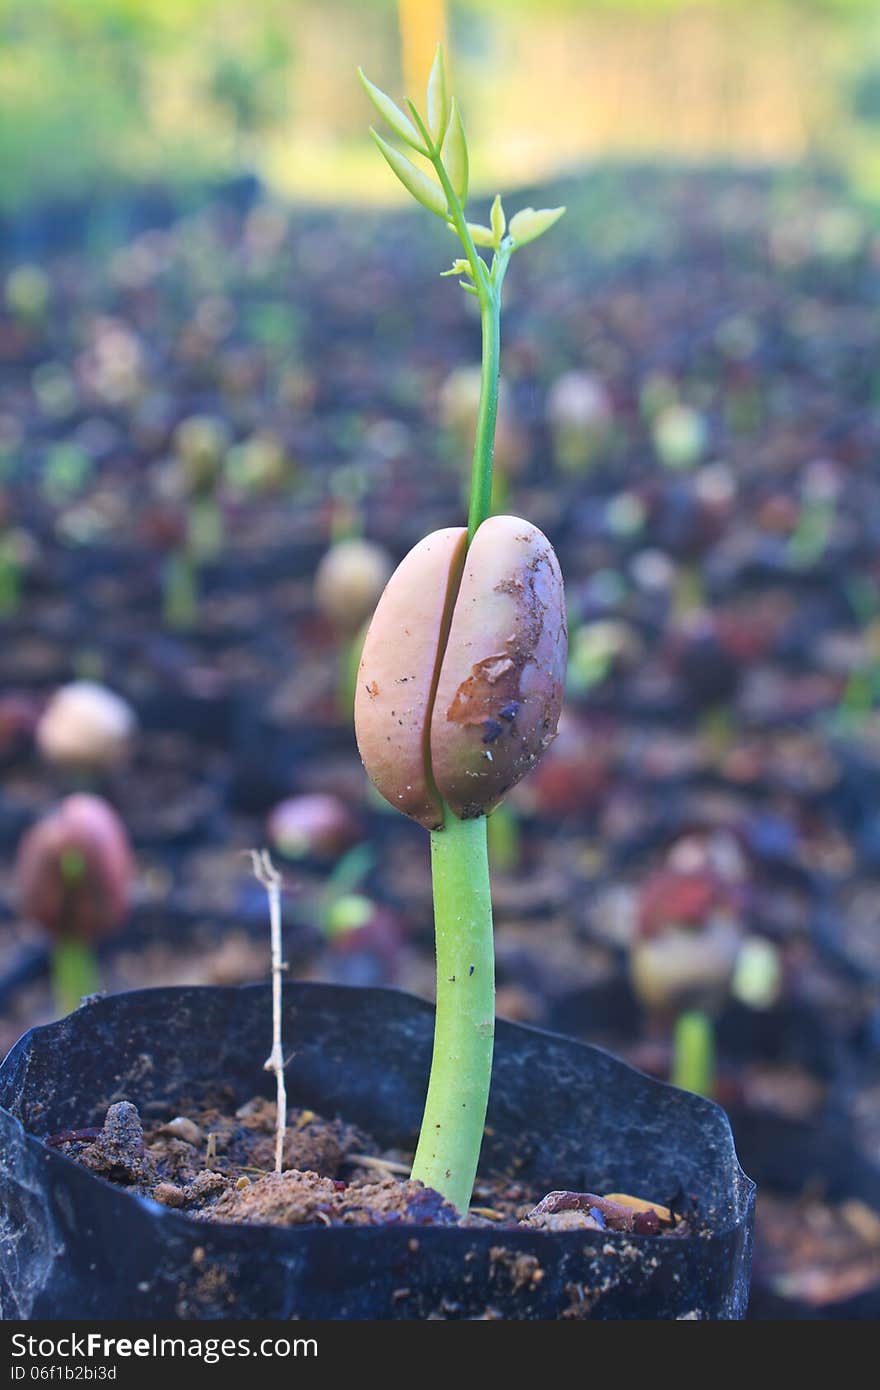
455, 154
399, 123
497, 220
525, 226
481, 236
413, 180
438, 99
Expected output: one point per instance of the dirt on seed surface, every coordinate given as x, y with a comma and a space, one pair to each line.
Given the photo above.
216, 1163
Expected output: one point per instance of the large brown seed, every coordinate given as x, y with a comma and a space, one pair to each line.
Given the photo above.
461, 679
499, 694
398, 670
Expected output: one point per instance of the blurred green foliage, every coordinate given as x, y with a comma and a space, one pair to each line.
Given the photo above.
97, 91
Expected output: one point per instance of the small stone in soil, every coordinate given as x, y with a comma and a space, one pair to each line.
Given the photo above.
169, 1194
118, 1151
183, 1128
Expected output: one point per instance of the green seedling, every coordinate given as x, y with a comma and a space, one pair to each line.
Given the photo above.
201, 446
10, 588
10, 566
73, 876
460, 684
693, 1053
180, 591
684, 958
756, 982
505, 840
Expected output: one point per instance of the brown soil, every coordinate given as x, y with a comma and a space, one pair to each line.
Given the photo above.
216, 1164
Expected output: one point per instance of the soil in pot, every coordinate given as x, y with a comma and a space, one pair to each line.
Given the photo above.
216, 1163
564, 1118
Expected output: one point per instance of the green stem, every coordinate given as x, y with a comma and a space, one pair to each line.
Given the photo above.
180, 601
479, 270
484, 442
461, 1068
74, 975
9, 581
693, 1053
205, 538
504, 838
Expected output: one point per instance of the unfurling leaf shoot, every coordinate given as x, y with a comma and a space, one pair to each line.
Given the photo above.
440, 138
391, 112
455, 155
528, 225
438, 99
414, 181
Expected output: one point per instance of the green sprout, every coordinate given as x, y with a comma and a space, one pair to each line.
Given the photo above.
10, 575
442, 142
201, 446
693, 1053
505, 840
455, 1109
74, 966
180, 591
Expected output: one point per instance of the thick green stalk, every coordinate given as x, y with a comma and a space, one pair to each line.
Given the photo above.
74, 975
693, 1053
461, 1068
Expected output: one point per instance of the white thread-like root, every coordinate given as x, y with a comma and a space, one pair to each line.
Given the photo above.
266, 873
